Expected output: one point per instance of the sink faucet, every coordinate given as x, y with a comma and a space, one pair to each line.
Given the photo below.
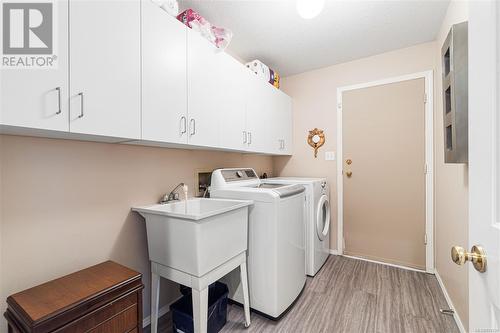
173, 195
206, 191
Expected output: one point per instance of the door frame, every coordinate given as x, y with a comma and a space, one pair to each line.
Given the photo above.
429, 159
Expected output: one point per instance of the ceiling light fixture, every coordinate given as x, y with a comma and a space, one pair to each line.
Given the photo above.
310, 8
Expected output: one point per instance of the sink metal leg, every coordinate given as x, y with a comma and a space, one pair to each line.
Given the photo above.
200, 310
155, 295
244, 285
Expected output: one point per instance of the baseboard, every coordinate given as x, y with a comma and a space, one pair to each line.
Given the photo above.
161, 312
450, 303
386, 264
334, 252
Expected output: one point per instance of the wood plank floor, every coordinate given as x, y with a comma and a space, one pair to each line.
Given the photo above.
350, 296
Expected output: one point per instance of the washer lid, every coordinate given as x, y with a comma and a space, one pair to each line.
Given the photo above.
293, 180
288, 191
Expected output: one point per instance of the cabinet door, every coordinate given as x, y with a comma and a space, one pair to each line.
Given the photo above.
164, 89
260, 116
105, 68
37, 98
205, 94
288, 128
284, 123
232, 105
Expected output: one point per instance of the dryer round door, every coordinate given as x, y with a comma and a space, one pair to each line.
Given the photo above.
323, 217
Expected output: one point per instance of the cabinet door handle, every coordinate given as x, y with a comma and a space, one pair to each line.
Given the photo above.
192, 125
244, 136
58, 89
183, 125
249, 138
81, 105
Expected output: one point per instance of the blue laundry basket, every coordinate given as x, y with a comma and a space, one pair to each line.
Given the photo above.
182, 310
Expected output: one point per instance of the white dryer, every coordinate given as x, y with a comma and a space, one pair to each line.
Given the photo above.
276, 245
317, 221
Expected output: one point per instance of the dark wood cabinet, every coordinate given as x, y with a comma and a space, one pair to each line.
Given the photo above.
105, 298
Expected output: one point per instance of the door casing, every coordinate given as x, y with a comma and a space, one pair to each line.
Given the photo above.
429, 159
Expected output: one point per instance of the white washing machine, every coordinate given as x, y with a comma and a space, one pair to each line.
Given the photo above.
317, 219
276, 245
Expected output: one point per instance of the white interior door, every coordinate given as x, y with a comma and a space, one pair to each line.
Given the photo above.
484, 158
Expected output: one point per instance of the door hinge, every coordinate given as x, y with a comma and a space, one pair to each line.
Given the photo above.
425, 239
339, 105
426, 168
425, 98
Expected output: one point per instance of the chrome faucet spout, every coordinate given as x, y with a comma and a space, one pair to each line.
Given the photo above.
173, 195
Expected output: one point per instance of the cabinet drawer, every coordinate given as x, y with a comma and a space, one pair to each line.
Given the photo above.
101, 315
124, 322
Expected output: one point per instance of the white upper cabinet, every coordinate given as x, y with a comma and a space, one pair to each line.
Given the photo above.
217, 85
233, 81
105, 68
129, 72
205, 90
260, 122
288, 128
38, 98
269, 118
284, 123
164, 85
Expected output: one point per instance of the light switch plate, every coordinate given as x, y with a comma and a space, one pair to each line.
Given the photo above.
329, 156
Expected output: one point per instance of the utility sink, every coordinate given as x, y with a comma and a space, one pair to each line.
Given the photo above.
196, 235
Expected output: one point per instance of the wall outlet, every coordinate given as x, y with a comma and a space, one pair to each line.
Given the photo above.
329, 156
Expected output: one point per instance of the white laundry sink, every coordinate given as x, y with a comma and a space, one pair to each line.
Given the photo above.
197, 235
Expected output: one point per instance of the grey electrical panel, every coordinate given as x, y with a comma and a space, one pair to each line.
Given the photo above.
454, 58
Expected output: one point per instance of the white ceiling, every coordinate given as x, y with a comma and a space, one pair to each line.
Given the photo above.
273, 32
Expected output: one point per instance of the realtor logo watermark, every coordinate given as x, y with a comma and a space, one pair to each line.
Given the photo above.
28, 38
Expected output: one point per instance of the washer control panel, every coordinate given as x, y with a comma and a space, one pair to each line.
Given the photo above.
232, 175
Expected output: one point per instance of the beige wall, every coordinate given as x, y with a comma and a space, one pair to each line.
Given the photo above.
66, 204
314, 105
451, 190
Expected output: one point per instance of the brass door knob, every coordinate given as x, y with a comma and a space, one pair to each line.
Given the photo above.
348, 174
477, 256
